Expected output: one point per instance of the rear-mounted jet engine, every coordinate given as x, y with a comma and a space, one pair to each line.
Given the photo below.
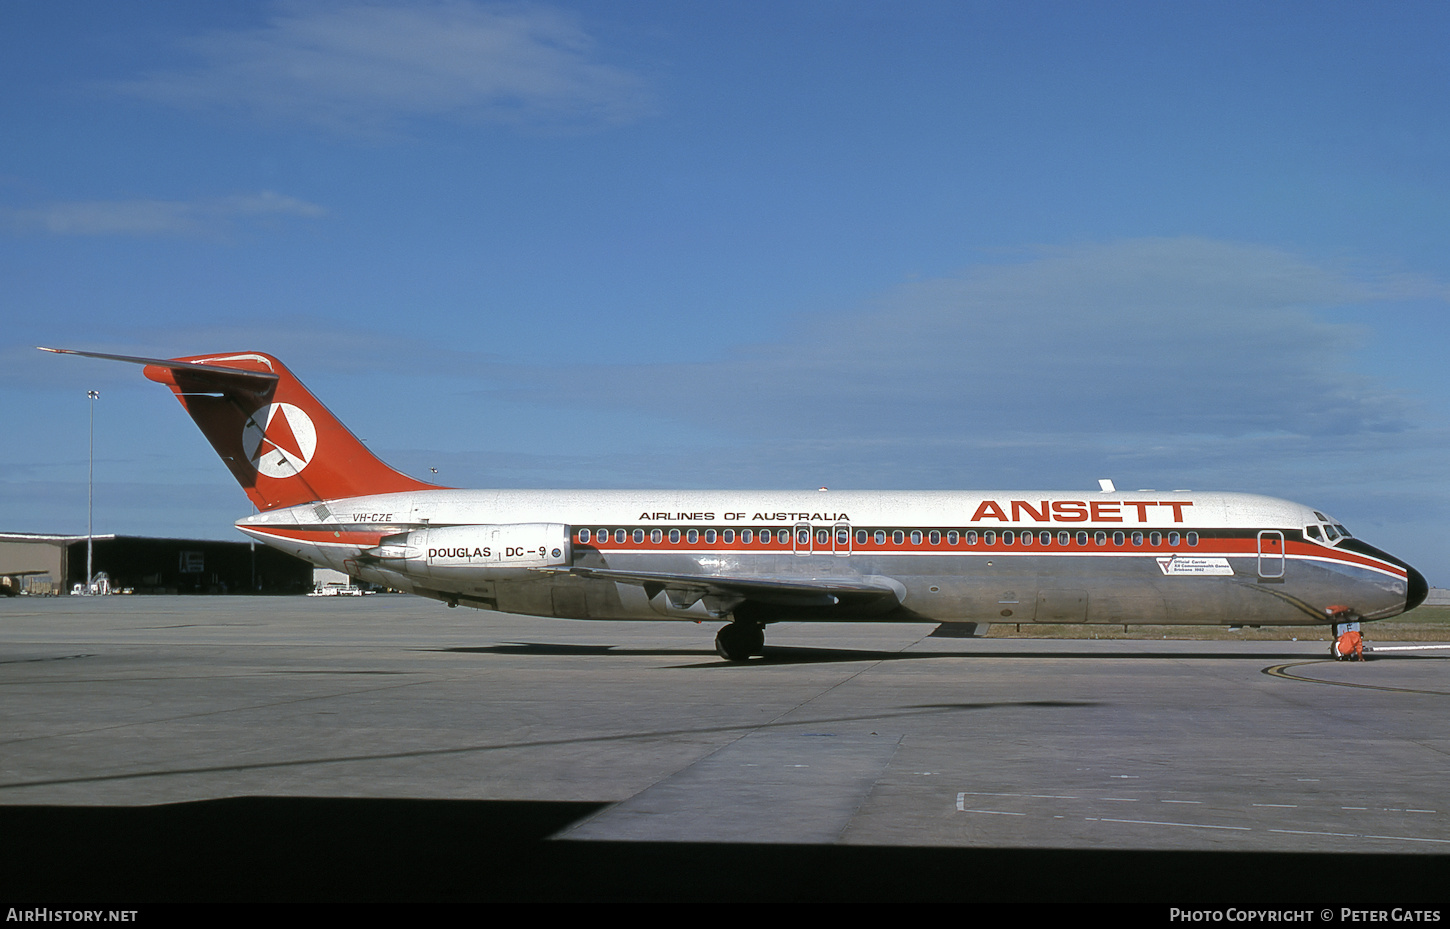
489, 551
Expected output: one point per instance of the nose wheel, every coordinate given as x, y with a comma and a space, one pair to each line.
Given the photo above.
1348, 644
739, 640
1348, 647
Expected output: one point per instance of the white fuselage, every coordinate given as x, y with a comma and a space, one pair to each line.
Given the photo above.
1008, 556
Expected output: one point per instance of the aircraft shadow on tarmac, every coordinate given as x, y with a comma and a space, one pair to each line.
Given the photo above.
788, 654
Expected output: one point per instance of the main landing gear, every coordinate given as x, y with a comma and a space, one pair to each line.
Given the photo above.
1348, 644
739, 640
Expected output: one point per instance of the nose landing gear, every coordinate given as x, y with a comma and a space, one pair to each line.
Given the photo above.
1348, 644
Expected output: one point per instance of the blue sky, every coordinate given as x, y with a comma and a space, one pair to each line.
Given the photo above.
761, 245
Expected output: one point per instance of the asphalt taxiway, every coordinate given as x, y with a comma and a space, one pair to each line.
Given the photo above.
620, 735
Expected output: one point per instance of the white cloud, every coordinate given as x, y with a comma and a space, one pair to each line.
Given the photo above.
366, 67
155, 217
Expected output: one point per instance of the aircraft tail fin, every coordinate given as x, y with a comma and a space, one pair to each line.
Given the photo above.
280, 443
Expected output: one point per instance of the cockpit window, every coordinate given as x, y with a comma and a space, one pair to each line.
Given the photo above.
1328, 532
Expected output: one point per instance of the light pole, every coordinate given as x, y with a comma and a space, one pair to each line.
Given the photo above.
93, 396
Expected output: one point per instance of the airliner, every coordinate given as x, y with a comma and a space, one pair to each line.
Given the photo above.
749, 559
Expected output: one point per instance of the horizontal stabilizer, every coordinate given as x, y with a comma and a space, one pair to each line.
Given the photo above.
175, 364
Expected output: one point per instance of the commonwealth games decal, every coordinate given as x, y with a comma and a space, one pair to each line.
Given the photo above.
1194, 566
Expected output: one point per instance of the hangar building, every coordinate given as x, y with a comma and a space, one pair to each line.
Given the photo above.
44, 563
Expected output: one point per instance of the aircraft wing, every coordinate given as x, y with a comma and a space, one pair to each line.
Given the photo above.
781, 591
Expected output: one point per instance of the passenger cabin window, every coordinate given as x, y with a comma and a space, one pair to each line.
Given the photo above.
619, 536
638, 536
692, 536
747, 536
656, 535
880, 537
1193, 538
584, 536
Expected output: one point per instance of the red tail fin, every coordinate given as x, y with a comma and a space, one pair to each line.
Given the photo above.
280, 443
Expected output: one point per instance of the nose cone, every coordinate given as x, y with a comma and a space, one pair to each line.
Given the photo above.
1416, 590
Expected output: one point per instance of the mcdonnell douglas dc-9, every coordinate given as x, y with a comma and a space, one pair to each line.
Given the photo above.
752, 558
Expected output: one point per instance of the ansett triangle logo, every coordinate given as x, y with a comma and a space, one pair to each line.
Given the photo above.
279, 440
